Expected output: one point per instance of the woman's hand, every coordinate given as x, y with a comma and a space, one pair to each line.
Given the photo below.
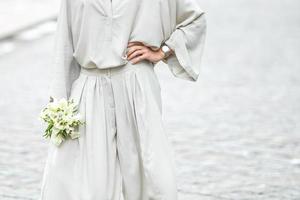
137, 52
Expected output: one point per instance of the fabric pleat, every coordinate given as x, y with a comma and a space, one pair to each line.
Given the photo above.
153, 143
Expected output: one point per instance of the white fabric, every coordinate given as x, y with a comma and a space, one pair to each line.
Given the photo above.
95, 33
122, 143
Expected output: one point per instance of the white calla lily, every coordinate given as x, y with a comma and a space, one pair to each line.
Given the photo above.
62, 118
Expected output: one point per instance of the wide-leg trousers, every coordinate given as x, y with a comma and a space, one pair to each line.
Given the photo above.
123, 151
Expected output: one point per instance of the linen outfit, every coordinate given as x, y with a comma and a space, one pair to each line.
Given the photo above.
123, 151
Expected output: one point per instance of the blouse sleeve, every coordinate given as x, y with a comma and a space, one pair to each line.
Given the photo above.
187, 40
65, 69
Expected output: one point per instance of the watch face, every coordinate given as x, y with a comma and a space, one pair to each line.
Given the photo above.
165, 49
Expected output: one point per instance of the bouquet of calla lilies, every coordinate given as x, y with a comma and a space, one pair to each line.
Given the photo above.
63, 120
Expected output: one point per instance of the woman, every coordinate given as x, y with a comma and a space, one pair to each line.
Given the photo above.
105, 55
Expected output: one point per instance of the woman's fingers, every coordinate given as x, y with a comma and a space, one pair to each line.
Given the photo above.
139, 58
133, 49
136, 53
134, 43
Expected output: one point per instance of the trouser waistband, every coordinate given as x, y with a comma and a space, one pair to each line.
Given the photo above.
113, 70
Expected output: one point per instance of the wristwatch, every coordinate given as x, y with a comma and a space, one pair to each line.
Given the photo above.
166, 50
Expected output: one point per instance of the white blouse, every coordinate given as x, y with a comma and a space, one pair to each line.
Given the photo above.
95, 34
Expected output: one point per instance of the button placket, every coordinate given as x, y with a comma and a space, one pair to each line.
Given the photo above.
111, 102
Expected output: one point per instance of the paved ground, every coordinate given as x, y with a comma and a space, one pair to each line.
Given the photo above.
16, 15
235, 132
